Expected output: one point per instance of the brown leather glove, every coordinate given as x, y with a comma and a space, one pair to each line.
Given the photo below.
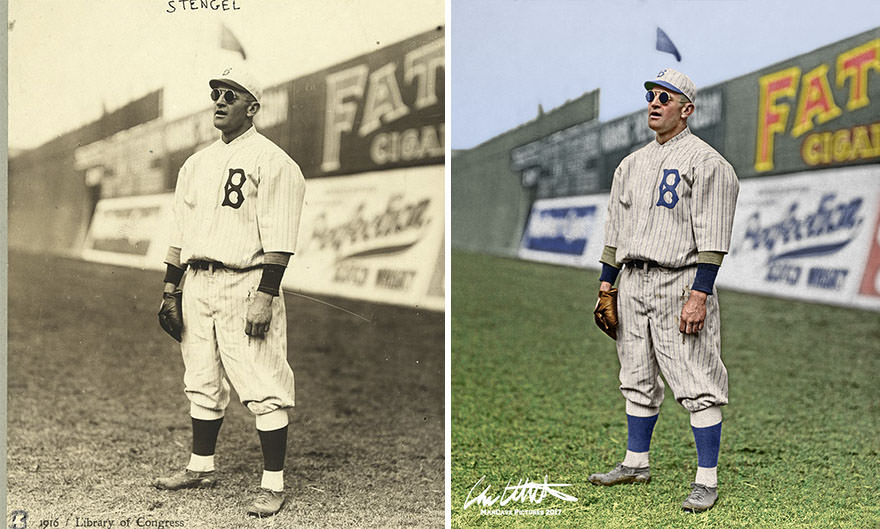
606, 312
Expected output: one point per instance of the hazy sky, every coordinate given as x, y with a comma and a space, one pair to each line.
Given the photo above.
68, 57
510, 55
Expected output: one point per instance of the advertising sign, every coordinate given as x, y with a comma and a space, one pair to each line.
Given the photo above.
376, 236
814, 111
564, 163
381, 110
130, 231
871, 278
378, 111
810, 236
813, 236
568, 231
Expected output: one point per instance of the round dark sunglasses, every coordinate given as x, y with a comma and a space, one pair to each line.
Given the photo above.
228, 95
663, 97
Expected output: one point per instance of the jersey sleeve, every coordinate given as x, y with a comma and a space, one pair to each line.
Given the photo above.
614, 213
177, 209
280, 197
714, 201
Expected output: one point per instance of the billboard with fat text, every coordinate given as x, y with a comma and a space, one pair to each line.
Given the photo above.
814, 111
382, 110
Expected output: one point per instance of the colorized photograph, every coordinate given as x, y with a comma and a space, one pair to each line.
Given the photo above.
226, 264
665, 264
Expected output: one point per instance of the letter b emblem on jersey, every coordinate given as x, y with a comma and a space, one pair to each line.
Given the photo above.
668, 195
234, 196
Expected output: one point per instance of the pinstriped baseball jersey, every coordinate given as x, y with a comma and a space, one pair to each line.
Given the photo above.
669, 201
236, 201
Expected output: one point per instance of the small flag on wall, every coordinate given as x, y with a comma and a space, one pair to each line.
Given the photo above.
229, 42
664, 43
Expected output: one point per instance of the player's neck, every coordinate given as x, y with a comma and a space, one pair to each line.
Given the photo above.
227, 137
663, 137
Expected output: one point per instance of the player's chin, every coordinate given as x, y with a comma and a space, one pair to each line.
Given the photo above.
220, 119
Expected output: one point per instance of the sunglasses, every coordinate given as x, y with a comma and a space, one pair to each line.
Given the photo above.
228, 95
663, 97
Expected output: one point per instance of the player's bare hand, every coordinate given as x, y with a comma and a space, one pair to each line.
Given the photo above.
604, 286
693, 314
259, 315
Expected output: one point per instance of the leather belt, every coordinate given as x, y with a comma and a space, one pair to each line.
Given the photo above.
647, 265
217, 265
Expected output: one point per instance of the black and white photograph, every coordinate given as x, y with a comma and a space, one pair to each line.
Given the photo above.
226, 264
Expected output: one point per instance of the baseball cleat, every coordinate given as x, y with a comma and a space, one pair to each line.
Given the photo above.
267, 503
702, 498
186, 479
622, 474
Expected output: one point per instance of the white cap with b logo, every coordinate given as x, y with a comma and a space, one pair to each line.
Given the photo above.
675, 81
238, 77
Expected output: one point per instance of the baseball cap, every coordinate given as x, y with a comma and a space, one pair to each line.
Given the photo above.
240, 78
676, 81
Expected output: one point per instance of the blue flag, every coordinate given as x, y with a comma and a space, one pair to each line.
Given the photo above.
664, 43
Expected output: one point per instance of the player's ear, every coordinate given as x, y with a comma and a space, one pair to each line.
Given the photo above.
687, 109
253, 108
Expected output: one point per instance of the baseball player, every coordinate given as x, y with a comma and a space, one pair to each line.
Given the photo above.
237, 208
669, 223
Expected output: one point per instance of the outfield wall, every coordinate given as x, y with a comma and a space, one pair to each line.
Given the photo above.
802, 134
368, 134
813, 236
51, 200
372, 236
490, 204
814, 111
379, 111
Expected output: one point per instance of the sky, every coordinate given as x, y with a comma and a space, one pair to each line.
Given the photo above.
70, 59
509, 56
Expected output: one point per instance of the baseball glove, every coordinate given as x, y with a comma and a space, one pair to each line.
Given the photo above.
171, 313
606, 312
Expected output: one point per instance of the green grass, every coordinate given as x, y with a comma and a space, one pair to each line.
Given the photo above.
96, 410
535, 392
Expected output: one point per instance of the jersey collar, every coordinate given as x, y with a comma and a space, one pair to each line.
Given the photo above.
244, 135
678, 137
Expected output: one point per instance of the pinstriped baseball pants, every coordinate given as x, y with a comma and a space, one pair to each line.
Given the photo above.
649, 342
216, 350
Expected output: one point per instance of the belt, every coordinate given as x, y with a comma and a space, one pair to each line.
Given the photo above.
217, 265
647, 265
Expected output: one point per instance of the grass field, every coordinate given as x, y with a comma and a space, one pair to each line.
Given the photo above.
96, 410
535, 393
